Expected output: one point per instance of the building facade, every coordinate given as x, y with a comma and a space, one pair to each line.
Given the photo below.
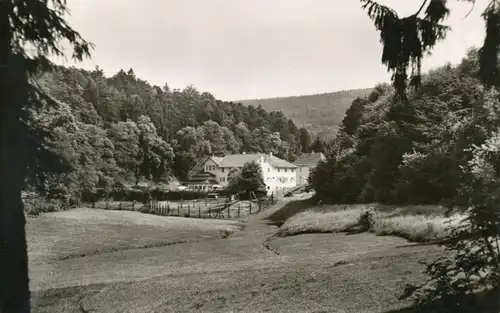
305, 163
278, 174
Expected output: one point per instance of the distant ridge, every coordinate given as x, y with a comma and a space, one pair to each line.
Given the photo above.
320, 114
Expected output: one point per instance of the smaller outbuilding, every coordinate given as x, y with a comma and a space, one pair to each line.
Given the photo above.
305, 163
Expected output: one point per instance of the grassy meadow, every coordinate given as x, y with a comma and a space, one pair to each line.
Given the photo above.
92, 260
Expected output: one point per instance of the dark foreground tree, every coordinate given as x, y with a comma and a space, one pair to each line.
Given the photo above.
30, 30
407, 40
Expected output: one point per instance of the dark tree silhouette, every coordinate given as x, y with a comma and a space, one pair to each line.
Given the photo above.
247, 180
30, 30
305, 140
406, 40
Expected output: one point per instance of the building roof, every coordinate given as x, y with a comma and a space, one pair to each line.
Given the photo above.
217, 160
202, 178
279, 163
237, 160
309, 159
201, 161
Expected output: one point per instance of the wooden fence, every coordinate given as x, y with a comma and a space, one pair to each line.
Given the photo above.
202, 208
227, 210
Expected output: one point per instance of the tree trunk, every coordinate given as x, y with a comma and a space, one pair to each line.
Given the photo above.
14, 281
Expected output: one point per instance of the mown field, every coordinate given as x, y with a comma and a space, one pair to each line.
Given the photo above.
107, 261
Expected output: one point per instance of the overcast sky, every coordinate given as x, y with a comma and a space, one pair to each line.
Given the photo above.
242, 49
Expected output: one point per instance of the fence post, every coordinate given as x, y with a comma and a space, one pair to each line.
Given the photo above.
179, 210
209, 212
189, 210
199, 210
239, 208
168, 208
250, 208
228, 209
133, 205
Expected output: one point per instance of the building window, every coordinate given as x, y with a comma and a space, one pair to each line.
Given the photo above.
222, 179
222, 170
285, 170
279, 170
268, 169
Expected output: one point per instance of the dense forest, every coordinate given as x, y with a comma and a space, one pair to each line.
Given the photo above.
122, 130
416, 151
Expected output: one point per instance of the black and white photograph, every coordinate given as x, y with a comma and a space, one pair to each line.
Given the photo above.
264, 156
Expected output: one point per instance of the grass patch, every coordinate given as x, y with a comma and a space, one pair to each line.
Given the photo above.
81, 232
290, 209
319, 222
415, 223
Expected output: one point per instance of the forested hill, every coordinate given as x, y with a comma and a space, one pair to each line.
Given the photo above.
320, 114
121, 128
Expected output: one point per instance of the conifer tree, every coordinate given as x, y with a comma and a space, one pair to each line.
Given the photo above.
30, 30
407, 40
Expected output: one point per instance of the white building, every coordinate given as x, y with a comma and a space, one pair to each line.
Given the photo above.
305, 163
278, 174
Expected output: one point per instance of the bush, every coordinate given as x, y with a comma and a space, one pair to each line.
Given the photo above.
36, 207
142, 195
365, 220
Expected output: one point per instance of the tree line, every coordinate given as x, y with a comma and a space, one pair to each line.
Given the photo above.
120, 129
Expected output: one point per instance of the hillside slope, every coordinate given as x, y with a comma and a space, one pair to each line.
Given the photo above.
320, 114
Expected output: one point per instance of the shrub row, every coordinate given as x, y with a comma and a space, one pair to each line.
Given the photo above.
142, 195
